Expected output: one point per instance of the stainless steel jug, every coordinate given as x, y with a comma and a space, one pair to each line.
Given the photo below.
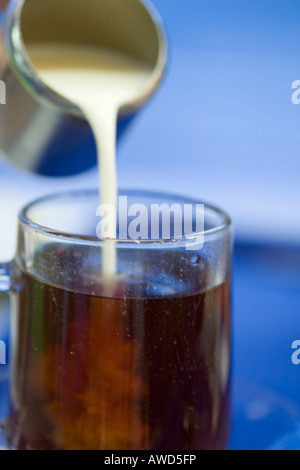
40, 131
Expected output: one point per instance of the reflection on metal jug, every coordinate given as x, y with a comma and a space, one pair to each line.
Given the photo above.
40, 131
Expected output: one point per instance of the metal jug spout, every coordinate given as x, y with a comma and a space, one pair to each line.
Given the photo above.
40, 131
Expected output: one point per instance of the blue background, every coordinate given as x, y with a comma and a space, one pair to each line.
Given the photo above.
223, 127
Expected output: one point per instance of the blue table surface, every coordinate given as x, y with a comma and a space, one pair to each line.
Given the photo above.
266, 323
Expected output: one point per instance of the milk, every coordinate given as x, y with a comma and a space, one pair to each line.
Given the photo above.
99, 82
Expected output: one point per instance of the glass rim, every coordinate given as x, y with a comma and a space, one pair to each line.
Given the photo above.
24, 217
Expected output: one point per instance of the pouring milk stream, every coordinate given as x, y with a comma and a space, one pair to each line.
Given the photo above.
99, 82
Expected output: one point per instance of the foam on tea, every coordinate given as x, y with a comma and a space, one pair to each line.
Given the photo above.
99, 82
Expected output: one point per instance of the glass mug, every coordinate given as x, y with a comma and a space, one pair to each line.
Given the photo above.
144, 365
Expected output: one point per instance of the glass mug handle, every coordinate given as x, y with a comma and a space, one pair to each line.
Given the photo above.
5, 277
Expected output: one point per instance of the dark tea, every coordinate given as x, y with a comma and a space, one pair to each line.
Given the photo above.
146, 369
